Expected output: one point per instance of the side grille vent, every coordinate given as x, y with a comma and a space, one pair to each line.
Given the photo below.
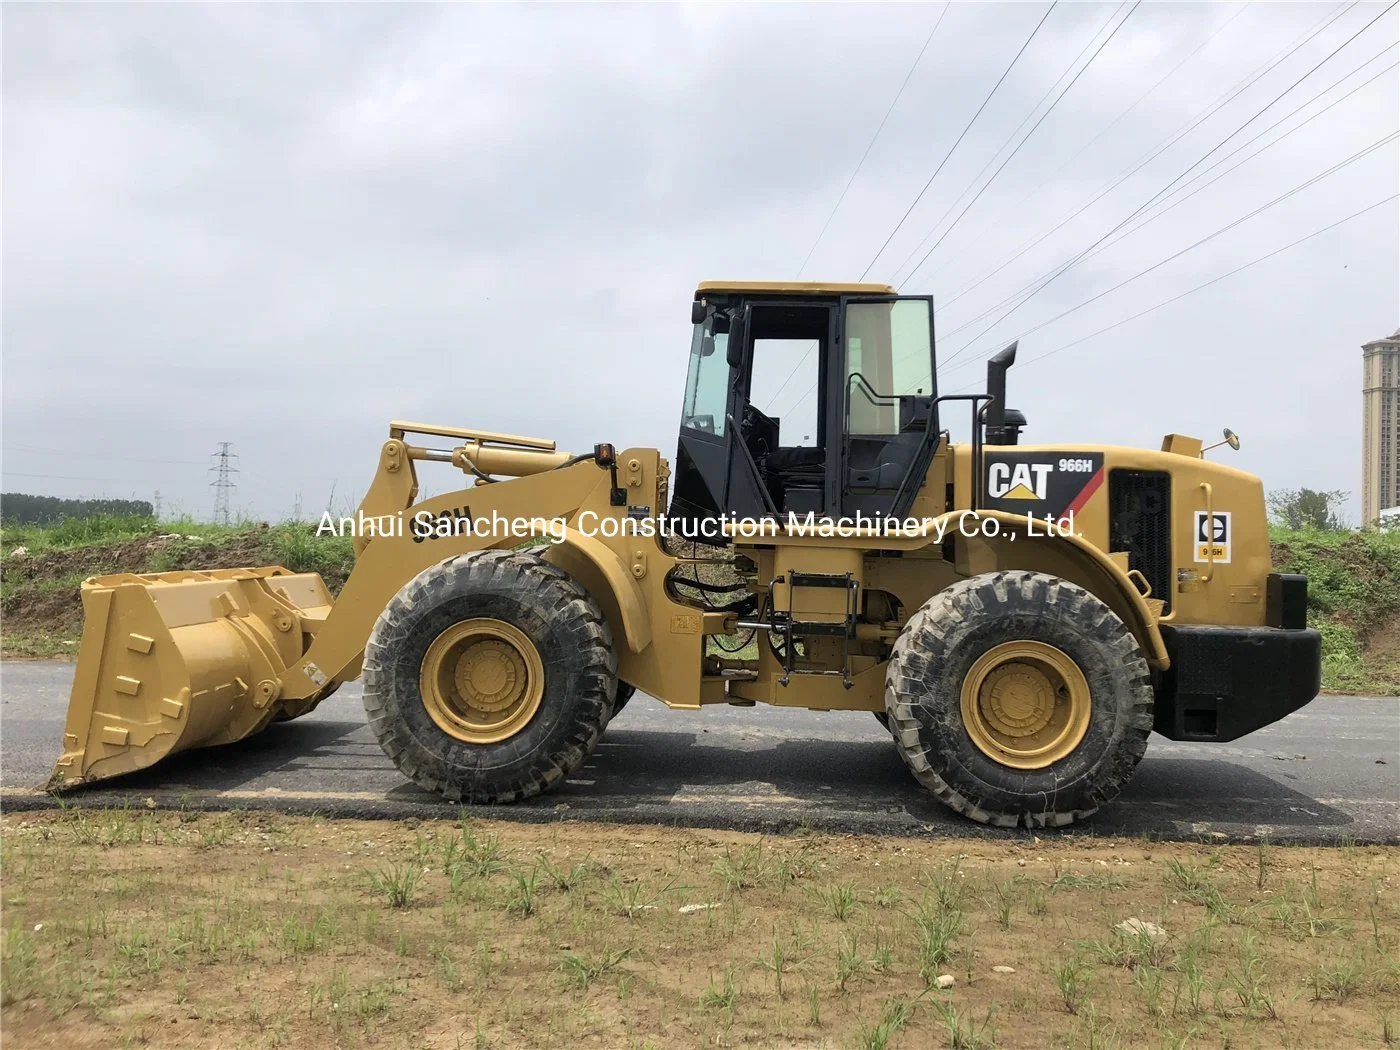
1140, 522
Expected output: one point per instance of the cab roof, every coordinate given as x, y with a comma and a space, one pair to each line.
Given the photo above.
792, 288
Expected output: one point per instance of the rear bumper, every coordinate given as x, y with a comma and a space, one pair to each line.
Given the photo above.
1225, 682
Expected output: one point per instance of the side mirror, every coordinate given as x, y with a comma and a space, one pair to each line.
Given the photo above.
1232, 439
734, 351
697, 311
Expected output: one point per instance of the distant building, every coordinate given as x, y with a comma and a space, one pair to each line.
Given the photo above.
1380, 427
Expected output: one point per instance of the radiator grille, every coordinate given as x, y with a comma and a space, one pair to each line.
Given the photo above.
1140, 517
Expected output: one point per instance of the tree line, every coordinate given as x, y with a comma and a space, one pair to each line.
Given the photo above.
24, 509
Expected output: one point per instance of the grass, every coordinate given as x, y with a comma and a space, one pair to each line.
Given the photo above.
1353, 599
184, 929
39, 589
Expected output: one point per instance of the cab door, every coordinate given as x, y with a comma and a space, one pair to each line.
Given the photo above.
886, 403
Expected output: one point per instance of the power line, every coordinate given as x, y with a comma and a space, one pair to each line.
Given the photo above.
1222, 230
1183, 199
803, 359
1006, 72
1154, 198
97, 455
1199, 287
1084, 148
1143, 161
1012, 154
1245, 145
1106, 244
988, 183
861, 163
73, 477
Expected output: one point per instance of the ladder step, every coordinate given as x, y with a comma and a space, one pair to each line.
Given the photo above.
821, 579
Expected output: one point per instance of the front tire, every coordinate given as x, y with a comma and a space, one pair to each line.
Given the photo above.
489, 677
1019, 699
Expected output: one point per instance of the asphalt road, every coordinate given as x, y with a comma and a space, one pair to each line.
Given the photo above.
1328, 773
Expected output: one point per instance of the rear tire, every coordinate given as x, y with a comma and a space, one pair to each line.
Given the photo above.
533, 605
937, 671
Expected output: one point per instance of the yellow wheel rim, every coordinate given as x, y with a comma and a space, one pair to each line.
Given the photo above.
1025, 704
482, 681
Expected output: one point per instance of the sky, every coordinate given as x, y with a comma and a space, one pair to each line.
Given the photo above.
284, 226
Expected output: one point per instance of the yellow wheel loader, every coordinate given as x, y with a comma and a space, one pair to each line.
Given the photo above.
1020, 616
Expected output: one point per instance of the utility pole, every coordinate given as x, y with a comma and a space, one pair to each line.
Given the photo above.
157, 503
223, 483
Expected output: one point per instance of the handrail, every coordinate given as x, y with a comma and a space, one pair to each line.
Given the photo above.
1210, 532
976, 441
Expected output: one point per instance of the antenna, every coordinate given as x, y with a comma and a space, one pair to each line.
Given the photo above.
223, 483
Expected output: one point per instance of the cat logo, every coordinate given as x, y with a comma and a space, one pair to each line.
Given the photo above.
1045, 482
1017, 480
1212, 537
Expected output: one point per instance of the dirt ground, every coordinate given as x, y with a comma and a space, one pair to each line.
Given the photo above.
141, 928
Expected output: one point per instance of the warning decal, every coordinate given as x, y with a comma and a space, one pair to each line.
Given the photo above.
1212, 536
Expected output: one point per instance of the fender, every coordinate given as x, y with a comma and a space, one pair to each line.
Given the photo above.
594, 564
1103, 577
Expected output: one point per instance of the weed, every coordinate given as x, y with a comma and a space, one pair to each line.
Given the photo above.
937, 922
1149, 981
794, 866
1337, 982
1036, 902
1073, 880
564, 881
894, 1015
1248, 981
742, 870
840, 900
587, 969
724, 997
1198, 886
521, 893
396, 883
19, 964
781, 957
1004, 896
882, 955
849, 962
476, 858
963, 1032
887, 897
632, 900
1130, 949
814, 1006
1072, 979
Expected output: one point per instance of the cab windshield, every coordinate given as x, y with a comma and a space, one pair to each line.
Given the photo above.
707, 380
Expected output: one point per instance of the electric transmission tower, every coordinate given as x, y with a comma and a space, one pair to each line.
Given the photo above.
223, 483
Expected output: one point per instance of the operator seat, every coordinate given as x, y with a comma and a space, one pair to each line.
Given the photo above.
796, 478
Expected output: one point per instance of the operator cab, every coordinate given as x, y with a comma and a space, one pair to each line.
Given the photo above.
805, 398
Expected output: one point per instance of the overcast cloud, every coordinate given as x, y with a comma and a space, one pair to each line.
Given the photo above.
284, 226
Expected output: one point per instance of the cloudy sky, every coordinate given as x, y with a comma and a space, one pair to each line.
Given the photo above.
284, 226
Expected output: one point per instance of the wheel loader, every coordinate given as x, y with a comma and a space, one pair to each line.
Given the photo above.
1020, 616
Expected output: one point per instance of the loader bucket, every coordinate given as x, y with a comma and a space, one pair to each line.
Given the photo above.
177, 660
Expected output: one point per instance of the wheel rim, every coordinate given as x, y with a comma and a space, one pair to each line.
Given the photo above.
482, 681
1025, 704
